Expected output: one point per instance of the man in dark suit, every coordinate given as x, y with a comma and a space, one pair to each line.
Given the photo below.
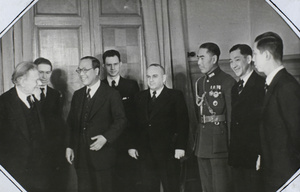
95, 120
125, 174
247, 98
163, 131
55, 127
22, 130
280, 126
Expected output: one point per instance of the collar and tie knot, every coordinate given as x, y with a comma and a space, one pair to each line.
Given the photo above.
266, 87
88, 95
43, 95
113, 84
31, 100
153, 98
240, 86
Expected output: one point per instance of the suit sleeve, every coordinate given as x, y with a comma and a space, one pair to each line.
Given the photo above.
2, 118
71, 123
182, 122
118, 116
230, 83
289, 103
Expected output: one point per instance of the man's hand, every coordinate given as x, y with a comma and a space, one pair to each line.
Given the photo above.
179, 153
133, 153
99, 143
258, 163
69, 155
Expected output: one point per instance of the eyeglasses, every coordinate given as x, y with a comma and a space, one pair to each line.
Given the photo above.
84, 70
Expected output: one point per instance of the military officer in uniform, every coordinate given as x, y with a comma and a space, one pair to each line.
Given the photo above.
213, 98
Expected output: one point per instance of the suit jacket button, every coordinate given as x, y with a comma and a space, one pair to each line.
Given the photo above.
149, 125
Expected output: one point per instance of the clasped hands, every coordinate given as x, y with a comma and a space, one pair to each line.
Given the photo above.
179, 153
95, 146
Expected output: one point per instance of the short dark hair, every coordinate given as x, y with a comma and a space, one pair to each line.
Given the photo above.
42, 60
22, 69
157, 65
95, 61
244, 49
272, 42
212, 48
111, 53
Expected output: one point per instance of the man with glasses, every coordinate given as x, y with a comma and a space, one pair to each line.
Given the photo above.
95, 120
125, 176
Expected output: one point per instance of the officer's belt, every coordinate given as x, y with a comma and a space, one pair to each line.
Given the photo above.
212, 118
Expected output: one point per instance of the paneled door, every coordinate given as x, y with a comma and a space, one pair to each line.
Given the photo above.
66, 30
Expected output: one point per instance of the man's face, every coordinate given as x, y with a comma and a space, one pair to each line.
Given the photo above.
45, 73
239, 63
30, 81
87, 74
155, 78
206, 61
259, 59
112, 66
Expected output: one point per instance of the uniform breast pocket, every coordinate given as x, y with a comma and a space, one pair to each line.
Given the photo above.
220, 139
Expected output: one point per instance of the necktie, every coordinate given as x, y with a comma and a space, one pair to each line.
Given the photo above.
31, 102
113, 84
266, 87
240, 86
43, 96
88, 96
153, 98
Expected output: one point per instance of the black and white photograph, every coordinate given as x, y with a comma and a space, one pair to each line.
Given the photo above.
150, 95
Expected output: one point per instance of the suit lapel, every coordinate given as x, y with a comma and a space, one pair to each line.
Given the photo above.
143, 101
271, 87
99, 99
81, 97
16, 107
249, 85
160, 102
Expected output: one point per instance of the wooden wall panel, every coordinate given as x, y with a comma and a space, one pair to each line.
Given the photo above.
127, 40
115, 7
62, 48
7, 59
58, 7
18, 45
27, 39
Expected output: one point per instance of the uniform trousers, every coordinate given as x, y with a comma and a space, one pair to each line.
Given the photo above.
215, 175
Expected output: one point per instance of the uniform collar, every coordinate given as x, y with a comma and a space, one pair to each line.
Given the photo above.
213, 73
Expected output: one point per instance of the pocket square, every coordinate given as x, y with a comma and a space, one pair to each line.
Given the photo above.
125, 98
